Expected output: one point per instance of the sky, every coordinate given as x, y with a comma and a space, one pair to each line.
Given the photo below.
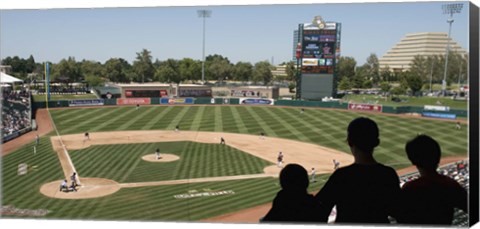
248, 33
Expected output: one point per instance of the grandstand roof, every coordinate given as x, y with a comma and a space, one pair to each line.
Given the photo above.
5, 78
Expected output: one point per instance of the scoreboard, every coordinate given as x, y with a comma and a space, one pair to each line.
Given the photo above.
318, 51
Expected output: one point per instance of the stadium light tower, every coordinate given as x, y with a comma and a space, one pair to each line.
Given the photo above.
203, 14
451, 9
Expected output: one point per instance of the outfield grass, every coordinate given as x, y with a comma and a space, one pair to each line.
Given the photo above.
409, 101
123, 163
43, 98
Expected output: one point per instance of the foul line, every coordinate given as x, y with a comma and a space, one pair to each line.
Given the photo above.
65, 151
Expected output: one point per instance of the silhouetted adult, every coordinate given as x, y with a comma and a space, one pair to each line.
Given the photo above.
432, 197
365, 191
293, 203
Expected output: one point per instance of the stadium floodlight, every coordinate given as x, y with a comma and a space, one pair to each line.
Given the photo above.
451, 9
203, 14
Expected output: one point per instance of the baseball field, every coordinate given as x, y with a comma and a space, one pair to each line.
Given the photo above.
196, 178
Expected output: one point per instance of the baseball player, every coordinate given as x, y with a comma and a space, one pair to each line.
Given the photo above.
177, 127
222, 141
74, 179
262, 135
138, 106
312, 179
37, 140
64, 185
280, 159
157, 154
336, 164
458, 126
87, 136
72, 187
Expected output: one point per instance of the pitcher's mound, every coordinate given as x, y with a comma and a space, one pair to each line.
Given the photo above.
163, 157
89, 188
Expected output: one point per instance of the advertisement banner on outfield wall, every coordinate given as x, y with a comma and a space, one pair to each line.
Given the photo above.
256, 101
177, 101
439, 115
365, 107
134, 101
436, 108
85, 102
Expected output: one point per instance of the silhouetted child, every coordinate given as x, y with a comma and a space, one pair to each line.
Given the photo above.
293, 203
432, 197
365, 191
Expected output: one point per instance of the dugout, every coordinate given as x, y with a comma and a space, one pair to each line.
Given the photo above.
269, 92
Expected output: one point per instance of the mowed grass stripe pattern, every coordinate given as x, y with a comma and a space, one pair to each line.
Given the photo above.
319, 126
123, 163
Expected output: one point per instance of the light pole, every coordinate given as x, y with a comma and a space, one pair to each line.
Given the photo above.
449, 9
204, 14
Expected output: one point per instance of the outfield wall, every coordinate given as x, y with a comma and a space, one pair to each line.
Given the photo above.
293, 103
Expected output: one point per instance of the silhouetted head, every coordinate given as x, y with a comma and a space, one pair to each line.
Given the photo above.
363, 133
424, 152
294, 177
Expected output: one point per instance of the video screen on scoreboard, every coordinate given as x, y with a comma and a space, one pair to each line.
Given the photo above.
318, 51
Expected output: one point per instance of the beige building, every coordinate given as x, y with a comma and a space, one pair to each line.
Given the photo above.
401, 55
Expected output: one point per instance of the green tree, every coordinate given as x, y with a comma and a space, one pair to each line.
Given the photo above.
344, 84
361, 75
262, 72
386, 74
29, 64
217, 67
385, 87
117, 70
372, 67
367, 84
243, 71
414, 82
94, 81
398, 91
91, 68
169, 72
291, 71
143, 66
346, 67
190, 69
67, 70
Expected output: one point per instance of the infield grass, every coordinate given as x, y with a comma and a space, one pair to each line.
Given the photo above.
123, 162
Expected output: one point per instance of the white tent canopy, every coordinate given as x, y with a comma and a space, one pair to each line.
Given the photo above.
5, 78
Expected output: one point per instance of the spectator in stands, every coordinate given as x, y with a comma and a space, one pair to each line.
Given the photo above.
293, 203
365, 191
15, 113
432, 197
